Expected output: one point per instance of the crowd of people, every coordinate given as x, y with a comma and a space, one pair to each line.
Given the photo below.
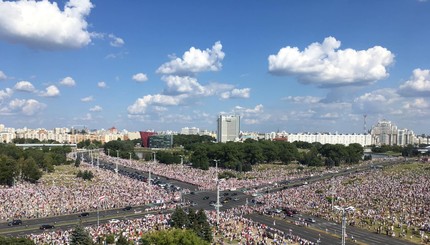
69, 194
397, 197
232, 229
205, 179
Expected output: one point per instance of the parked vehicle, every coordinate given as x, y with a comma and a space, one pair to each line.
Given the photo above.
46, 226
15, 222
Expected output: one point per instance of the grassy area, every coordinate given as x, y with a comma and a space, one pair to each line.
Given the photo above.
63, 175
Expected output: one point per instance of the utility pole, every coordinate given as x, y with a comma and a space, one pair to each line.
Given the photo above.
117, 155
217, 205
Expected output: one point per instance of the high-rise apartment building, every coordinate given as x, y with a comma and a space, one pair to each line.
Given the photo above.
228, 128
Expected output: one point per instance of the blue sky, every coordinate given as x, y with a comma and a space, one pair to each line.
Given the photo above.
299, 66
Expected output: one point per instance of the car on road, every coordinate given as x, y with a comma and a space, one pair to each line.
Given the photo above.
128, 208
212, 203
236, 199
205, 198
310, 220
137, 211
46, 226
193, 204
84, 214
15, 222
114, 221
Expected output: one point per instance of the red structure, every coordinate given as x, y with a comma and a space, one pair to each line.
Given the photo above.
144, 136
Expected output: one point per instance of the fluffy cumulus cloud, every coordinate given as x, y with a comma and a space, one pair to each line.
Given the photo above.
181, 85
141, 104
51, 91
27, 107
418, 103
96, 108
324, 64
87, 99
24, 86
140, 77
5, 94
378, 101
101, 84
68, 81
417, 85
243, 93
26, 22
2, 76
195, 61
115, 41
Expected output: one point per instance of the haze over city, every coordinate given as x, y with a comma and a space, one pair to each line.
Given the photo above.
289, 65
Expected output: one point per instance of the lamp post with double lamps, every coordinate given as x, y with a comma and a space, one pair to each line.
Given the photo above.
117, 156
217, 205
344, 211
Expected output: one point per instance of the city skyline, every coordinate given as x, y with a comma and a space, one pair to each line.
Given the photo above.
287, 65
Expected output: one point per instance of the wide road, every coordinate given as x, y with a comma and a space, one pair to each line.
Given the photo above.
327, 232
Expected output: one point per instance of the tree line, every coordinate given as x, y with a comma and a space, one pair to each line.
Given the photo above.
17, 164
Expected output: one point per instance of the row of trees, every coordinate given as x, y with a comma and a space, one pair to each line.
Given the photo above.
241, 156
17, 164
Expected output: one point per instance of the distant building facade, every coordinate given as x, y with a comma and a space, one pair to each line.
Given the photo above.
161, 141
190, 131
387, 133
228, 128
144, 136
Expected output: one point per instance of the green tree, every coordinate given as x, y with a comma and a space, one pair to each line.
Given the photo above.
122, 240
77, 161
199, 158
80, 236
8, 170
179, 219
15, 241
172, 237
30, 171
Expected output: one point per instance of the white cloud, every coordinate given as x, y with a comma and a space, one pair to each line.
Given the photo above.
303, 99
51, 91
24, 86
378, 101
140, 105
418, 103
194, 61
257, 109
140, 77
2, 76
42, 24
96, 108
417, 85
115, 41
68, 81
87, 99
325, 65
101, 84
26, 107
181, 85
243, 93
5, 94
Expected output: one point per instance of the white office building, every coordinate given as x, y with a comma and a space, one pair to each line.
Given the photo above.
228, 128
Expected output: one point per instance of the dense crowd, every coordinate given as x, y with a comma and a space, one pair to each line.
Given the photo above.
205, 179
232, 229
383, 199
68, 194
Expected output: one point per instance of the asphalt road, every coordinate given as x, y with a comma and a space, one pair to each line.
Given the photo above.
327, 232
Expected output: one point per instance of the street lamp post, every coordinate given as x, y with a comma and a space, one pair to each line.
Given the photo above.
182, 160
117, 155
344, 210
217, 205
130, 156
108, 152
